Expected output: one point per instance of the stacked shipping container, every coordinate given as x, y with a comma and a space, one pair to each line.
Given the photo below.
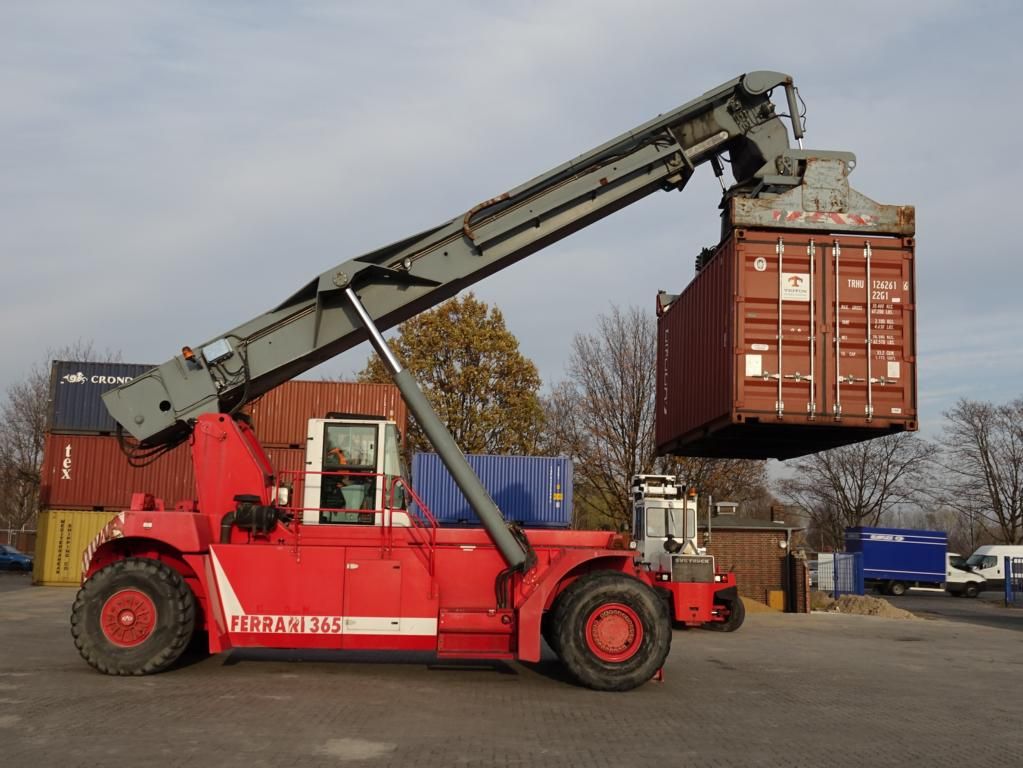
533, 491
86, 477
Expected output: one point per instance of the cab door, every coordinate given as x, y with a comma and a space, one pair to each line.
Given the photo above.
352, 449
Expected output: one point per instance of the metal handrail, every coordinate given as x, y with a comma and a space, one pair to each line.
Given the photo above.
424, 520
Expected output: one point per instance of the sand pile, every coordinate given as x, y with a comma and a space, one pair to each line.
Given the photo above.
858, 605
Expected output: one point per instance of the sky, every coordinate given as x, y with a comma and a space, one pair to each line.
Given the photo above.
170, 170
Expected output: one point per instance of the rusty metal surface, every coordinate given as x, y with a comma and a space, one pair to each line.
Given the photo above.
782, 346
823, 202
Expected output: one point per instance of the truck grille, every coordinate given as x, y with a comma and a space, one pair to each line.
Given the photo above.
692, 568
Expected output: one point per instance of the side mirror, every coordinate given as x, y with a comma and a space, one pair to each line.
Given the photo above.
283, 496
671, 546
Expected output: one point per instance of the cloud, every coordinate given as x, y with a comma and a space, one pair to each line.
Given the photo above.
171, 170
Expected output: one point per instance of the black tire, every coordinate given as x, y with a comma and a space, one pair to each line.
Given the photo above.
154, 598
547, 629
736, 616
972, 590
632, 605
897, 589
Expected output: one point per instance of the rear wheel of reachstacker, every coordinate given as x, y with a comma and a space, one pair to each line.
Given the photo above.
613, 632
736, 616
134, 617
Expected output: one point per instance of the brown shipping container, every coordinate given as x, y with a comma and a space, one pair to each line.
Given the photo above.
89, 472
281, 415
788, 343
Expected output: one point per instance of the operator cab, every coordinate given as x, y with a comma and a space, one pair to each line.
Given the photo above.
353, 471
662, 509
664, 529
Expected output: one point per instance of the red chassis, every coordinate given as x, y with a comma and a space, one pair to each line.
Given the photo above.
401, 584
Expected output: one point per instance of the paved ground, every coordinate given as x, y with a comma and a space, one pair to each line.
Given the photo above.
987, 610
786, 690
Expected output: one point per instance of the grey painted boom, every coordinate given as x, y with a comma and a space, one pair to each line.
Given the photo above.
404, 278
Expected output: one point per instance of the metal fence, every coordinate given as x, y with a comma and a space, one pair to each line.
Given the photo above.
1014, 580
23, 540
840, 574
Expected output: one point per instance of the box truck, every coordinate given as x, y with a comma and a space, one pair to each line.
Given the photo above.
895, 559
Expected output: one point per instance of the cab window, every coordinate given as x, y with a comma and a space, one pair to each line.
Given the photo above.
982, 561
350, 450
659, 517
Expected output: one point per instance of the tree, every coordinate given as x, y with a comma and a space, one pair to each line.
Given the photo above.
857, 484
471, 370
602, 416
982, 466
23, 416
739, 480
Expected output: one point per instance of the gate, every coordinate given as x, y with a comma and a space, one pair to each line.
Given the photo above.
841, 574
1014, 580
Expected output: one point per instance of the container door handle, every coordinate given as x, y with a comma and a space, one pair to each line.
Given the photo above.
870, 336
811, 405
838, 335
779, 404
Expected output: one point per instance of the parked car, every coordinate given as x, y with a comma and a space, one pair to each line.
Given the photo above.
13, 560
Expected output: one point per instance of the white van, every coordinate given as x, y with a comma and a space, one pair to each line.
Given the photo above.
988, 562
960, 581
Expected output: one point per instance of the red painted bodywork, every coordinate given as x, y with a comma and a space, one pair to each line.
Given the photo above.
397, 587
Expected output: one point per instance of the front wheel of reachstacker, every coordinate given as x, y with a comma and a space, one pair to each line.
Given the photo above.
134, 617
736, 616
613, 632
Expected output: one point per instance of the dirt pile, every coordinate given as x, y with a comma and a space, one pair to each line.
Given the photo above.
755, 606
858, 605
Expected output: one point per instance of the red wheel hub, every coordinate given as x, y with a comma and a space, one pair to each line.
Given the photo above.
614, 632
128, 618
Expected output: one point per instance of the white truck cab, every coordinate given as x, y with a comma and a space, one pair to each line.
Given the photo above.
663, 509
959, 580
988, 562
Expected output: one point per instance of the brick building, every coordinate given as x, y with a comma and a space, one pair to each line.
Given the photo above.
760, 554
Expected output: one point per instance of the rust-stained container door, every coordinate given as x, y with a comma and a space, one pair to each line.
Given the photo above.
778, 328
871, 309
825, 329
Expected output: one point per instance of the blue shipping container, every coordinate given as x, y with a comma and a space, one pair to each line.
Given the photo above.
899, 554
75, 388
534, 491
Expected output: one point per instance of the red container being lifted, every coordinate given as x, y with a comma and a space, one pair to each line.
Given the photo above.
788, 343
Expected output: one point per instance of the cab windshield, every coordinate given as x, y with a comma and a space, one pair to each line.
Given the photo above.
662, 520
982, 561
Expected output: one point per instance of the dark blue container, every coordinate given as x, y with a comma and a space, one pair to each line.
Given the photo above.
534, 491
899, 554
75, 388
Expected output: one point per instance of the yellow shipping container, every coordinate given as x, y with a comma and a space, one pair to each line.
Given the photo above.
61, 538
